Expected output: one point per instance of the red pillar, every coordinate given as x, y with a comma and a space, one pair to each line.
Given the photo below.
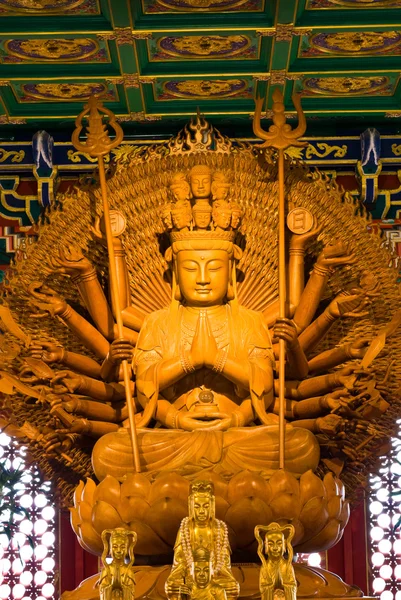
75, 563
349, 558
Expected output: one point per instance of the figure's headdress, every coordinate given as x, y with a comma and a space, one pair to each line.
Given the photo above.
210, 237
287, 531
201, 554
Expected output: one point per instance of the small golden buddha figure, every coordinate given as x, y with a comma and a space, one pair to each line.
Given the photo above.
221, 215
181, 215
277, 577
117, 578
202, 565
202, 214
180, 188
220, 187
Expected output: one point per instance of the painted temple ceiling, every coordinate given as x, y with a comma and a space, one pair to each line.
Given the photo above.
157, 61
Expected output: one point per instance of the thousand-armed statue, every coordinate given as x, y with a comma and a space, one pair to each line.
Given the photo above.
194, 226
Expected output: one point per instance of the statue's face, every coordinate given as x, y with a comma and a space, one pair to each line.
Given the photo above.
180, 192
235, 219
202, 219
201, 185
222, 218
202, 508
202, 574
203, 276
118, 548
221, 192
181, 218
275, 545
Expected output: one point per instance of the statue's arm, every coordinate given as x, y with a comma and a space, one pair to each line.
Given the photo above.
94, 410
91, 337
331, 257
296, 279
80, 363
337, 356
316, 331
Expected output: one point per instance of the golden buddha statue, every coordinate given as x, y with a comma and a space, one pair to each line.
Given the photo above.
117, 578
277, 577
198, 291
202, 565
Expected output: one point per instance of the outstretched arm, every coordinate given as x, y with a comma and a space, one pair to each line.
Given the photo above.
332, 256
49, 301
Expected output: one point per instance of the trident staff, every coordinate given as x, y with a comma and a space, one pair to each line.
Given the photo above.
98, 143
280, 136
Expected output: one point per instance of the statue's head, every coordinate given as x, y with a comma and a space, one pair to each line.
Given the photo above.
202, 567
221, 214
277, 541
200, 179
180, 187
181, 214
201, 503
202, 213
119, 544
220, 186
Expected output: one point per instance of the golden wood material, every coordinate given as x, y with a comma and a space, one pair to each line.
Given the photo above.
281, 136
98, 144
277, 577
202, 566
117, 578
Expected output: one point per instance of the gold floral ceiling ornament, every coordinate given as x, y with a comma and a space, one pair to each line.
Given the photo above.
53, 49
356, 42
205, 88
201, 5
40, 6
205, 46
345, 86
61, 91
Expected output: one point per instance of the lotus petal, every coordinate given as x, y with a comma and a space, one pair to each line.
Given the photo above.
314, 516
104, 517
247, 484
324, 540
285, 506
169, 485
91, 539
282, 482
334, 506
136, 485
108, 491
299, 532
78, 493
344, 515
148, 542
164, 517
310, 486
132, 508
89, 492
222, 507
330, 483
85, 511
75, 520
244, 515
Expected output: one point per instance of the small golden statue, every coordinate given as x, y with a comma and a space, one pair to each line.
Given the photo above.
117, 578
277, 577
202, 565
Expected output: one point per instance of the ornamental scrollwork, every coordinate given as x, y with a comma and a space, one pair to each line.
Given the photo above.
326, 149
17, 155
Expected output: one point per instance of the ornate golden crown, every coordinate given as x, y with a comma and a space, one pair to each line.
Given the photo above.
202, 487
